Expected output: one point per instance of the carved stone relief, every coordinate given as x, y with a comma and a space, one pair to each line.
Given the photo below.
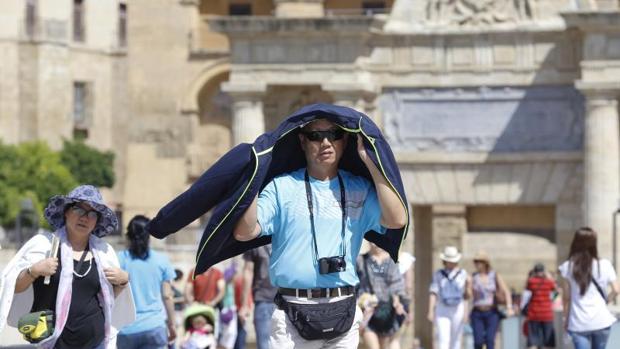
498, 119
477, 12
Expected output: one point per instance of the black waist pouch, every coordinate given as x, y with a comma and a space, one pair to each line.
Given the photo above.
319, 321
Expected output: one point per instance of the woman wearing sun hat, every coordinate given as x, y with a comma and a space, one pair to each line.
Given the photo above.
86, 289
488, 288
449, 292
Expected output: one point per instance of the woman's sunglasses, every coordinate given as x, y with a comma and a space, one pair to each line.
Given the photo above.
90, 214
318, 136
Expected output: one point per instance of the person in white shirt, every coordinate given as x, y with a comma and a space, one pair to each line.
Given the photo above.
587, 280
449, 292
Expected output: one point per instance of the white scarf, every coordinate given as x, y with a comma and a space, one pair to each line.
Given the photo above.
118, 311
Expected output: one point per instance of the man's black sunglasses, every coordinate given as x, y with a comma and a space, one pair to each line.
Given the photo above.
318, 136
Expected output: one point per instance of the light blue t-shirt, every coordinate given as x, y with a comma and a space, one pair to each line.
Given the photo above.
283, 214
146, 278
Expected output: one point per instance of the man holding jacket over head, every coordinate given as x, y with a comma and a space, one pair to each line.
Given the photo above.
316, 238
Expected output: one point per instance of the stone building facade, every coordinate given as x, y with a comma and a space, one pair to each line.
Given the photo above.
503, 114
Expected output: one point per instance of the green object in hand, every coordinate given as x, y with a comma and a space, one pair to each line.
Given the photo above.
36, 326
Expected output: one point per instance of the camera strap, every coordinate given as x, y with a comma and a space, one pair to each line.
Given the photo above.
343, 208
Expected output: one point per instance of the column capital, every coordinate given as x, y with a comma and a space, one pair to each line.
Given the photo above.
599, 92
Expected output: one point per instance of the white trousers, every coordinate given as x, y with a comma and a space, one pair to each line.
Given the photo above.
284, 335
449, 326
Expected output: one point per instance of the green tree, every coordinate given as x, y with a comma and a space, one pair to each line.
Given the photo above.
88, 165
30, 170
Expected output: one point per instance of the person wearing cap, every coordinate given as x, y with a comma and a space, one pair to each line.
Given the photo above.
87, 291
152, 275
488, 289
539, 312
317, 217
449, 294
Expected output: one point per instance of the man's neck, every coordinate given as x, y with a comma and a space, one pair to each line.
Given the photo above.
323, 174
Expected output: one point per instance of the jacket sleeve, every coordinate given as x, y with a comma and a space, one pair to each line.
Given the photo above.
211, 188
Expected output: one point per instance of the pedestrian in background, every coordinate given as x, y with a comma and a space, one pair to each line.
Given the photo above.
227, 335
447, 305
258, 286
242, 333
539, 309
488, 290
177, 287
586, 281
380, 276
151, 287
207, 288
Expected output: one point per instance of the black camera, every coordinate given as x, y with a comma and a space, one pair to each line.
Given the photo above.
328, 265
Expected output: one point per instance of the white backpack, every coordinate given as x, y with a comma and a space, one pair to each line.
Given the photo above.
450, 292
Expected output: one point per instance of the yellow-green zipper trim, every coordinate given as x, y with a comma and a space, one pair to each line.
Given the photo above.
372, 142
236, 202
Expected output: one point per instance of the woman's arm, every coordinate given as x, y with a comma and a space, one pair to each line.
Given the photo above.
221, 291
168, 298
26, 277
432, 301
118, 278
566, 290
508, 296
189, 292
615, 290
469, 290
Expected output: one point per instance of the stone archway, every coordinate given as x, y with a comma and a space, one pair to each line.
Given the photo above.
210, 108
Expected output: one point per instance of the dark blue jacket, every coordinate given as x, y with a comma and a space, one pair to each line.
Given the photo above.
233, 181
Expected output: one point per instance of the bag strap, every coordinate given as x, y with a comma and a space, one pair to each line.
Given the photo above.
451, 279
368, 275
79, 265
600, 289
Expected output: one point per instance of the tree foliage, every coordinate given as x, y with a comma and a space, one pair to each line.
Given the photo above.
30, 170
87, 164
33, 171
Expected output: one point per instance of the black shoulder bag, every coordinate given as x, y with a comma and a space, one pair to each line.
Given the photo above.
384, 314
323, 320
600, 289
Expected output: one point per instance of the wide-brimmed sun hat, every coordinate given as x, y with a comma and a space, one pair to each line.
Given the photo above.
450, 254
55, 210
198, 309
482, 256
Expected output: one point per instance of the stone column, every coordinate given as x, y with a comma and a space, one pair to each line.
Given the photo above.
601, 164
299, 8
247, 106
435, 227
